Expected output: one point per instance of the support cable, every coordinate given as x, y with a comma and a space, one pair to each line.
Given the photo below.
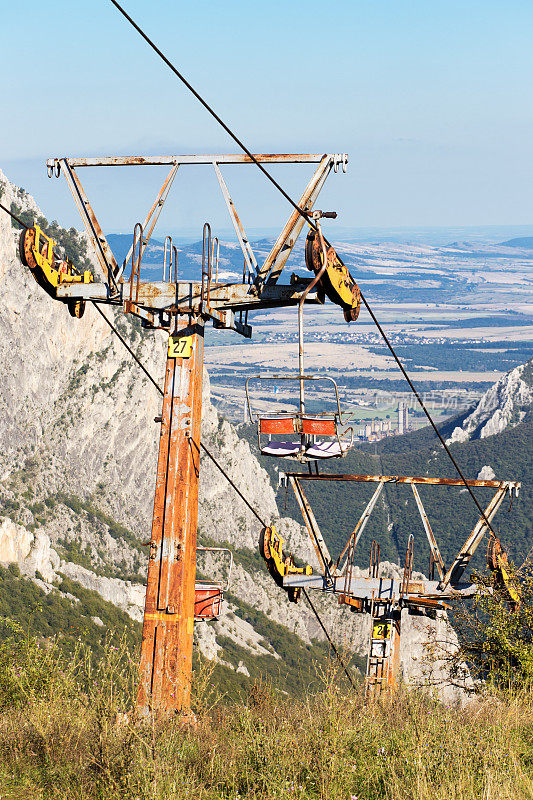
208, 108
128, 348
328, 637
229, 480
312, 224
20, 222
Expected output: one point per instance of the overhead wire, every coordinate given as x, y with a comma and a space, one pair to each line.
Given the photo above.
17, 219
128, 348
328, 637
311, 223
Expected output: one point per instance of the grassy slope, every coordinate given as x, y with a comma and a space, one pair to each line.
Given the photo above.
64, 735
70, 622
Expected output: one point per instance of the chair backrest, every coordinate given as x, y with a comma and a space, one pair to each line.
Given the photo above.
319, 427
273, 425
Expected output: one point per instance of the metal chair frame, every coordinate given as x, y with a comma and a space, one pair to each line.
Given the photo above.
220, 585
301, 420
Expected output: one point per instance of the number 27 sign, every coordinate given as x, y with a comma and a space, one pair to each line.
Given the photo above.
180, 347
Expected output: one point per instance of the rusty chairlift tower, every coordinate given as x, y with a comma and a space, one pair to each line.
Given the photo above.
182, 308
384, 598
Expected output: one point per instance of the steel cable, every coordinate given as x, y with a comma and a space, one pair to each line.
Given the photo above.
328, 637
20, 222
306, 216
128, 348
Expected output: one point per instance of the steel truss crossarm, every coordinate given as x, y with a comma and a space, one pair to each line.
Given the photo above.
361, 525
462, 559
274, 263
104, 254
437, 558
321, 549
151, 218
249, 257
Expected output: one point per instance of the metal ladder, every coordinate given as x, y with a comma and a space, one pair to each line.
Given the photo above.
383, 650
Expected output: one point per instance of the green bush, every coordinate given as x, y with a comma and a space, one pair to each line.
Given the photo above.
496, 640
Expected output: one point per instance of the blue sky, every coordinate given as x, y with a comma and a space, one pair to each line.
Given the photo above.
430, 98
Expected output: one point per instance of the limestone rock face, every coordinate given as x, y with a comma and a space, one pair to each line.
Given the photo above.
127, 596
15, 542
42, 559
504, 404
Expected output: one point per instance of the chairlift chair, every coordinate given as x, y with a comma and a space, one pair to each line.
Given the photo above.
298, 435
208, 595
306, 437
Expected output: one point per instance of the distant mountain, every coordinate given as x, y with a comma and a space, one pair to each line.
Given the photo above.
522, 241
189, 258
120, 243
504, 405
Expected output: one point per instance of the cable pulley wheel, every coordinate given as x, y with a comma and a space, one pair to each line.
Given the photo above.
264, 543
26, 247
494, 552
336, 283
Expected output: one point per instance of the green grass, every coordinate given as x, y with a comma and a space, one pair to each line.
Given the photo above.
65, 734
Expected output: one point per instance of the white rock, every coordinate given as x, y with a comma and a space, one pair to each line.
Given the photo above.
486, 473
15, 542
504, 404
41, 558
127, 596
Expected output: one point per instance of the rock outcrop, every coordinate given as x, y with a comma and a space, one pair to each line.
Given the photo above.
503, 405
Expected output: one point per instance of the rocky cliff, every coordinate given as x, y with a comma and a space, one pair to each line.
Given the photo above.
503, 405
78, 454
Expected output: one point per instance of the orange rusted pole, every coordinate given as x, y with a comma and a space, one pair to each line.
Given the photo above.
166, 653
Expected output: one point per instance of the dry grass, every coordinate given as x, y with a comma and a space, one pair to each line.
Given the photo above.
68, 738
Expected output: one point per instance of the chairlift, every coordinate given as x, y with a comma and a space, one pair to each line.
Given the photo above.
299, 435
208, 595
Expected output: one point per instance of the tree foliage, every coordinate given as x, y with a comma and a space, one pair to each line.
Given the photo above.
496, 642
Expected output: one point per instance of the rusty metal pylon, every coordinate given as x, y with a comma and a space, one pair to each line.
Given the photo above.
166, 653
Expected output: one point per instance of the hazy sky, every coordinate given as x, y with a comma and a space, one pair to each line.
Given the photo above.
430, 98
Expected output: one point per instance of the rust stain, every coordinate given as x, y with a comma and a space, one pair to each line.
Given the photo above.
166, 652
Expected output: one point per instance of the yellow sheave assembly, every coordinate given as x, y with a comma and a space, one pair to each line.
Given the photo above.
336, 282
37, 252
498, 562
279, 564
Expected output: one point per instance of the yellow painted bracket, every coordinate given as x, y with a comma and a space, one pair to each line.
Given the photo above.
513, 594
273, 553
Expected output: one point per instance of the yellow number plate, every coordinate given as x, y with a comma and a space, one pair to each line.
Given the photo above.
381, 630
179, 347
